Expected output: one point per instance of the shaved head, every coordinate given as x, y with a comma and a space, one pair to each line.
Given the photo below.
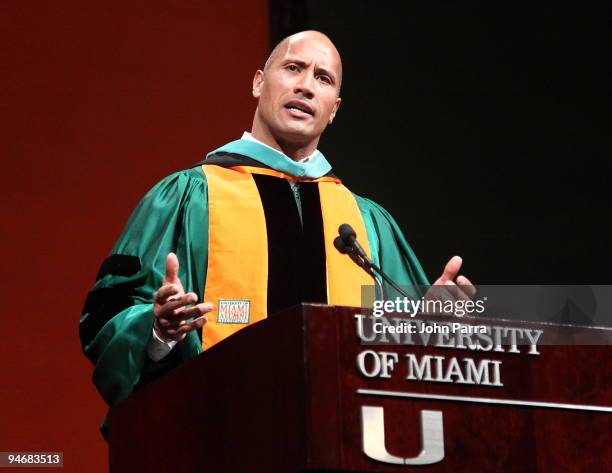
298, 93
281, 48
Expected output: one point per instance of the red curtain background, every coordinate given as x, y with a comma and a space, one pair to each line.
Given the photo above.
100, 100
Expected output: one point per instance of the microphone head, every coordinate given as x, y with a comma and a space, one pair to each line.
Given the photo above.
347, 234
340, 246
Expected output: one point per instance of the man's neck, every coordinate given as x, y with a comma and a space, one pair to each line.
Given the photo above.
297, 152
249, 137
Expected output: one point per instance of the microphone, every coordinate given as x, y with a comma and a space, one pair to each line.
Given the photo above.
347, 250
346, 243
349, 237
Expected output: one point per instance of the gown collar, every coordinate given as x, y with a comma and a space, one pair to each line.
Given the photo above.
316, 166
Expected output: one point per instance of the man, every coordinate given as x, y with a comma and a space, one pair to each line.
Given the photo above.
252, 227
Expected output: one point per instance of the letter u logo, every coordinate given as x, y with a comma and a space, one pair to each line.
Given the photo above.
373, 436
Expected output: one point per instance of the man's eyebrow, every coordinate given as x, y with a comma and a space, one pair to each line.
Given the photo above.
301, 63
328, 73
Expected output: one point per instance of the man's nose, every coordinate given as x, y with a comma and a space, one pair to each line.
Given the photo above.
305, 85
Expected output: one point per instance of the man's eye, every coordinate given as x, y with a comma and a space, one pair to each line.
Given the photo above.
292, 67
325, 79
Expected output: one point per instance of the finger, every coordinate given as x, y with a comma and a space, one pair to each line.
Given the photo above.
456, 291
173, 324
466, 286
166, 291
185, 327
174, 307
173, 334
198, 310
172, 267
161, 322
451, 269
193, 325
439, 292
180, 317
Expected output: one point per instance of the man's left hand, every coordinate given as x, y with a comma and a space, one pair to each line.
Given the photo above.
457, 285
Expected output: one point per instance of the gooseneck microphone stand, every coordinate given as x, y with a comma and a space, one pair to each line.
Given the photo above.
346, 243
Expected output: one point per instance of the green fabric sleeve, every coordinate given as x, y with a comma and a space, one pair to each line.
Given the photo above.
117, 319
389, 248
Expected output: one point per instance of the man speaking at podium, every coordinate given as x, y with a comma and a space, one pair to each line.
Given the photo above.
252, 227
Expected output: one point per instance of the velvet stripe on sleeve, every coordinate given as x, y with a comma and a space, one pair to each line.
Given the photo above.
117, 318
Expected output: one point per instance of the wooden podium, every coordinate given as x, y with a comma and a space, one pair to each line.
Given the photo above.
302, 392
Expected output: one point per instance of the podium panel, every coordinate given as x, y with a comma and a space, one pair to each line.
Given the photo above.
308, 390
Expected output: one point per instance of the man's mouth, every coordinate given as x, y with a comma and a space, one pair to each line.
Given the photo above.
299, 108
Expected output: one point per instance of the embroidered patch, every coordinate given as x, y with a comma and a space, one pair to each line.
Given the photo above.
234, 312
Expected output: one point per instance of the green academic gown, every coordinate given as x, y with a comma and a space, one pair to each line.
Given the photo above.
116, 324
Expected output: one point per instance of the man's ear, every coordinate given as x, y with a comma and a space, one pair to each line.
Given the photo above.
258, 79
334, 111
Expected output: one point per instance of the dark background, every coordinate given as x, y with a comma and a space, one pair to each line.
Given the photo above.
480, 130
484, 130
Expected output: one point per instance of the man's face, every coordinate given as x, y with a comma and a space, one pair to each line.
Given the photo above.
298, 91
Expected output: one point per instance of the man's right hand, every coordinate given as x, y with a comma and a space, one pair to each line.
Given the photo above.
169, 306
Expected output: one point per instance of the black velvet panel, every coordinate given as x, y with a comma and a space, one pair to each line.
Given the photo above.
100, 306
294, 271
284, 241
227, 160
119, 265
104, 303
314, 287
